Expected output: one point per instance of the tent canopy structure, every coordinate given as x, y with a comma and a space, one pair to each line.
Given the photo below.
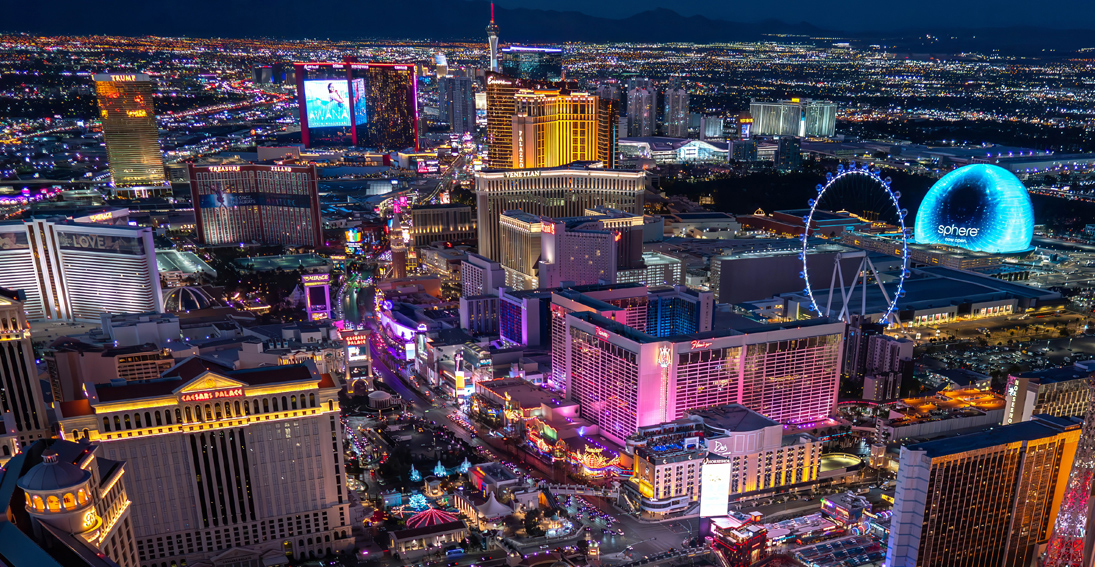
492, 508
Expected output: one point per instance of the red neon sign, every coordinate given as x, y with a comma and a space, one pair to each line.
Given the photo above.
549, 229
354, 338
603, 334
211, 395
701, 344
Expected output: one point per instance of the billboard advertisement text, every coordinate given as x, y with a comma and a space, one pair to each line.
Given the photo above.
327, 102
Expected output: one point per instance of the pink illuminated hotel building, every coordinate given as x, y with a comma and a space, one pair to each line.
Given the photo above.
625, 378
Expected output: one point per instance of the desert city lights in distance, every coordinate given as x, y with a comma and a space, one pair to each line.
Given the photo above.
655, 347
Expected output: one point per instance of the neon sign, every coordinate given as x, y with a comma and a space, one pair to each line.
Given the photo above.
663, 356
281, 168
137, 113
315, 279
123, 78
100, 217
494, 80
223, 168
602, 334
513, 174
701, 344
549, 229
354, 338
211, 395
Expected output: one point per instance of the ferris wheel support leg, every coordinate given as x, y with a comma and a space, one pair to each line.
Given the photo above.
832, 286
845, 295
892, 317
864, 268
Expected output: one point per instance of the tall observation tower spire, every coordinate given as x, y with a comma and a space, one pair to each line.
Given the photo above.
492, 39
1071, 544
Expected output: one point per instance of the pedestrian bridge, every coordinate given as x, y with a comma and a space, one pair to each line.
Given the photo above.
580, 490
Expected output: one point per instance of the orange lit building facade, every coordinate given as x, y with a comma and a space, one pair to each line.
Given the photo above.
986, 498
226, 464
553, 128
131, 134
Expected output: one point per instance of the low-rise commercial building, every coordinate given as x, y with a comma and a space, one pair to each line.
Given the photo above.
728, 452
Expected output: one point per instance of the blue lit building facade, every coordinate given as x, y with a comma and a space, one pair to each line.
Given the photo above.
980, 207
678, 311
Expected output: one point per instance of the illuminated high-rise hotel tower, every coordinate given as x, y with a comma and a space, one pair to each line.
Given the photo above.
22, 409
131, 134
492, 38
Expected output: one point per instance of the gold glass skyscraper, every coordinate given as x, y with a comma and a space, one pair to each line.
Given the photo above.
536, 123
553, 128
985, 498
131, 134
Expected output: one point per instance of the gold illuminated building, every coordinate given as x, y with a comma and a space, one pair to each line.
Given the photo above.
131, 134
241, 463
71, 495
547, 124
569, 123
553, 128
986, 498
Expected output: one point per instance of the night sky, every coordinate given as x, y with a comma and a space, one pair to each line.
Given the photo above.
853, 15
563, 20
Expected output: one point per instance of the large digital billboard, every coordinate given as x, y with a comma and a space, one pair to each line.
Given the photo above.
357, 88
980, 207
369, 105
715, 487
327, 102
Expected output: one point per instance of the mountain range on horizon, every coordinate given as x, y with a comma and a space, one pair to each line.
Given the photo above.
466, 20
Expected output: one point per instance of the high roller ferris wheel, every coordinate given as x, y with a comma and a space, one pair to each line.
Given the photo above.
853, 286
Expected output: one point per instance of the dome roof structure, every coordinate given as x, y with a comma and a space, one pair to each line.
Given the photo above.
53, 475
979, 207
182, 299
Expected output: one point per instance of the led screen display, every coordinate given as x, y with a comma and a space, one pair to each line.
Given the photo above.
327, 102
358, 90
979, 207
317, 298
715, 488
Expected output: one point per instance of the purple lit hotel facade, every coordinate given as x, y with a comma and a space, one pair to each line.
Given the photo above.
625, 379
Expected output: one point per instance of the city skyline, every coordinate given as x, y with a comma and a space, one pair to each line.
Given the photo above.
513, 286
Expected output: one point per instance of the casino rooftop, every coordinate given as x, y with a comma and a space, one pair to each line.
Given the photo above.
1040, 426
742, 327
